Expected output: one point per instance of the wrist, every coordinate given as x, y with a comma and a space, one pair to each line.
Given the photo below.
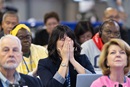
72, 59
63, 65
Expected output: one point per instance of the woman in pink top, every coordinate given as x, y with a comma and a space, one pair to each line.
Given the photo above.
115, 64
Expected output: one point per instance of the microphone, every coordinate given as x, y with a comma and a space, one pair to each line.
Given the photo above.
120, 85
14, 85
21, 83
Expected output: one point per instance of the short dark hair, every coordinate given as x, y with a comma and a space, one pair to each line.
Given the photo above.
58, 33
106, 22
83, 27
51, 15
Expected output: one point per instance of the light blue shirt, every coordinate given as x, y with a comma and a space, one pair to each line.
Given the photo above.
6, 82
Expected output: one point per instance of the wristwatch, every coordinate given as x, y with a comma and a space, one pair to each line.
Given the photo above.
63, 65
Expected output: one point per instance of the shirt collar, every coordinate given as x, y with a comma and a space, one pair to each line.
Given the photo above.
5, 80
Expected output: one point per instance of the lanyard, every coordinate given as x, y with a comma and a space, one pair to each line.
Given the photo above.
26, 65
68, 79
30, 58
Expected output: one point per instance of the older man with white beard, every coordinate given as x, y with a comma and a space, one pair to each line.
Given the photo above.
10, 57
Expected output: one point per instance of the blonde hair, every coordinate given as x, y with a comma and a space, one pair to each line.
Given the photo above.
103, 56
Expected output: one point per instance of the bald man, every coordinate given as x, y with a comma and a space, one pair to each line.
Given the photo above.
111, 13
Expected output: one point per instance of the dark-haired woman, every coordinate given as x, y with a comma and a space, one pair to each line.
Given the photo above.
83, 31
64, 61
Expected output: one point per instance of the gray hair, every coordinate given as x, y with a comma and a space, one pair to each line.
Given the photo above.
12, 13
12, 37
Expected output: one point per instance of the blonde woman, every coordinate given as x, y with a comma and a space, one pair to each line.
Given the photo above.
115, 64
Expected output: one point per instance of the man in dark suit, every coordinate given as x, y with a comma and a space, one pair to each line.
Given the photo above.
11, 56
9, 20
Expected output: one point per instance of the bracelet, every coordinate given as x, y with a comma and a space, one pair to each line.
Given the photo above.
63, 65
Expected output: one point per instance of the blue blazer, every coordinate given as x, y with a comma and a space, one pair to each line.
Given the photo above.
47, 69
28, 81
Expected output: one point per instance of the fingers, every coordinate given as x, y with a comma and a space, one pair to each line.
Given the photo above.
67, 50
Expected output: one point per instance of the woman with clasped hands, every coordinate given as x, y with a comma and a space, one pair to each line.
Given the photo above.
115, 64
64, 61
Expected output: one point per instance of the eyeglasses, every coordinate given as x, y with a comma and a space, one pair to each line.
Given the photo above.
50, 24
28, 37
112, 17
109, 32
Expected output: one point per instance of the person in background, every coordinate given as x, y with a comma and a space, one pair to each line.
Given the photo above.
115, 64
9, 20
31, 52
112, 13
92, 48
64, 61
83, 31
10, 57
4, 8
51, 20
123, 7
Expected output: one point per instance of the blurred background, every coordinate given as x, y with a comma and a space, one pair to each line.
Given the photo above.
68, 10
31, 12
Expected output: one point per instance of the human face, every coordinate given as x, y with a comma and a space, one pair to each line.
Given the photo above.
60, 42
50, 24
25, 37
86, 36
8, 23
112, 14
109, 31
116, 57
10, 53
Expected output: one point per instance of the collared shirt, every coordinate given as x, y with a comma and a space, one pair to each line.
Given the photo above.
6, 82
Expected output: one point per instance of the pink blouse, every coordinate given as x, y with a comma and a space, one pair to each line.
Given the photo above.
104, 81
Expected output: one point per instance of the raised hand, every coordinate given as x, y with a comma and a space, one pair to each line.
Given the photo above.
64, 49
71, 49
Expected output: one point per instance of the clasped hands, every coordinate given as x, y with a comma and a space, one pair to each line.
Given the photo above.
67, 50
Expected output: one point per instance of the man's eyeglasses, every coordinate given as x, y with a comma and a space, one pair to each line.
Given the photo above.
28, 37
109, 32
112, 17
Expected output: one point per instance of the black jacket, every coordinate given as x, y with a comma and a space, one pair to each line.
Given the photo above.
47, 69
